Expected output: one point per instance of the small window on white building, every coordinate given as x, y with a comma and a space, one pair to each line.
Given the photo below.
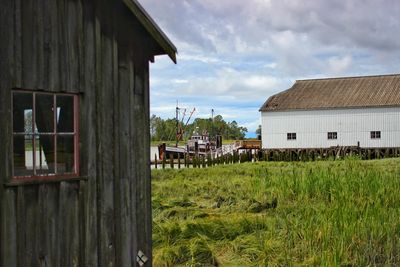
375, 134
291, 136
332, 135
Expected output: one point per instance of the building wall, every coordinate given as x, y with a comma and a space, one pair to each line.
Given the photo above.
98, 50
311, 127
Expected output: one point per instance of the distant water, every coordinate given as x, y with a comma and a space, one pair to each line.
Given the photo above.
251, 135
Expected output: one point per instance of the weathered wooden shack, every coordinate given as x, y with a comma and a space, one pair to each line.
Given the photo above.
74, 135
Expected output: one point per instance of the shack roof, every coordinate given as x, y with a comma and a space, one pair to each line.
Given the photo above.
344, 92
149, 24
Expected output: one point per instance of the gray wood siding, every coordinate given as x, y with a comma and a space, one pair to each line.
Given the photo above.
99, 50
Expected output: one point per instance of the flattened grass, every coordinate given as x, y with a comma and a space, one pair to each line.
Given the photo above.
328, 213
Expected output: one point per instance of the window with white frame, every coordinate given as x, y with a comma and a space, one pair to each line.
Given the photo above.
332, 135
291, 136
45, 134
375, 134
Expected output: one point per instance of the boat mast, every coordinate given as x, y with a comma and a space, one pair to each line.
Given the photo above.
177, 124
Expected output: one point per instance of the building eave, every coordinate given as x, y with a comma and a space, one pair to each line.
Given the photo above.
329, 108
149, 24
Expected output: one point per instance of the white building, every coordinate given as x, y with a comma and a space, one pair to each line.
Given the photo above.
322, 113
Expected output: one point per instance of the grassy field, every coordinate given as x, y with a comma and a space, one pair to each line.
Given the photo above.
327, 213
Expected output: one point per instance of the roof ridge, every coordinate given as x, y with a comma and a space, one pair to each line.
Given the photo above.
350, 77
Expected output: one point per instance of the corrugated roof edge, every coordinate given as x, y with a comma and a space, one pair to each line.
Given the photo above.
349, 77
273, 96
151, 26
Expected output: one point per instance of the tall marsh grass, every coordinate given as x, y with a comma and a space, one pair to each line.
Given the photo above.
326, 213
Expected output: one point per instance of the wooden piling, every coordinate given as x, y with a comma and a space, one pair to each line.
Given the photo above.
163, 162
171, 161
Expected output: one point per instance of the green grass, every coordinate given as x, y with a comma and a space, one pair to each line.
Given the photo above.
326, 213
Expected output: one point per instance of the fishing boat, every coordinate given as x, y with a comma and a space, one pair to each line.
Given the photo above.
197, 145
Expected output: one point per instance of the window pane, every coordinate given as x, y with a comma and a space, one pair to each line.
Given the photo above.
23, 155
44, 113
65, 114
65, 154
22, 112
44, 152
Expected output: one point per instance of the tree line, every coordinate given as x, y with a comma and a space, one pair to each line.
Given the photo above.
166, 130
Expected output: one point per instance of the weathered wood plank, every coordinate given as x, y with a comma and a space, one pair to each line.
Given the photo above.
53, 54
89, 136
134, 156
68, 213
63, 56
8, 232
51, 202
105, 151
73, 29
8, 225
123, 194
143, 193
17, 75
146, 178
28, 224
29, 44
82, 199
39, 40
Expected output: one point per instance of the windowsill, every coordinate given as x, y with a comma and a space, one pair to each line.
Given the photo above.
44, 180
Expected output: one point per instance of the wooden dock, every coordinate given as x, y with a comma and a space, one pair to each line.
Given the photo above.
248, 144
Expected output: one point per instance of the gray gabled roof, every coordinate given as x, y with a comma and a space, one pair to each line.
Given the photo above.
345, 92
148, 23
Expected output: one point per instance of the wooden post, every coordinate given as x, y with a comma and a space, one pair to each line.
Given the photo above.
163, 161
179, 160
155, 161
196, 149
171, 161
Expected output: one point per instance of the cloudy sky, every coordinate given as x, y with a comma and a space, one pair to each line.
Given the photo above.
234, 54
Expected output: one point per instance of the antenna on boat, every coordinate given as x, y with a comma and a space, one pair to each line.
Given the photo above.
177, 123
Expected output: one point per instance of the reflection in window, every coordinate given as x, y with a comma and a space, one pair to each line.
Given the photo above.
44, 134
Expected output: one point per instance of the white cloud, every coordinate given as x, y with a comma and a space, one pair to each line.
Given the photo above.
180, 81
339, 65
